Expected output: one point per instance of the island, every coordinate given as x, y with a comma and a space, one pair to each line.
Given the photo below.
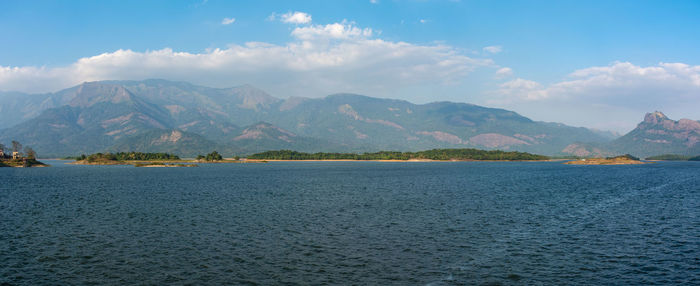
140, 159
18, 158
626, 159
137, 159
466, 154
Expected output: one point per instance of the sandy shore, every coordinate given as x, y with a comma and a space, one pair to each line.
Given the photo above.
595, 161
166, 166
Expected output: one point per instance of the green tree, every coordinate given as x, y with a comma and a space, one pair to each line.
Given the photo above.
214, 156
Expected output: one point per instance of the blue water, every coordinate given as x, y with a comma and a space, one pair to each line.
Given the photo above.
363, 223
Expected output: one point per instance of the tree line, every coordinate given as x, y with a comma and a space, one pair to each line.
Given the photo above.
434, 154
213, 156
674, 157
127, 156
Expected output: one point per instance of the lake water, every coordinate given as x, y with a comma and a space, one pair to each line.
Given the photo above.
363, 223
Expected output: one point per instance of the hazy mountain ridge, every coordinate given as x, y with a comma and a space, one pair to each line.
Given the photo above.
114, 115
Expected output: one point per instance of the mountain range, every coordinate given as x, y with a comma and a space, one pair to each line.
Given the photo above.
186, 119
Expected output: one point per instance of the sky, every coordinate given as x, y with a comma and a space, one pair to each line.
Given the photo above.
597, 64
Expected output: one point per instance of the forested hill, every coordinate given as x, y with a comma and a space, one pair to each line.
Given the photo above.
435, 154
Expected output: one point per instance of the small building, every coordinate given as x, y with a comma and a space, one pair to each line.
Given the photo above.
15, 155
2, 154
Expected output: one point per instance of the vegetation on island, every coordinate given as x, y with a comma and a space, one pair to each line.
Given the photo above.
626, 159
123, 158
623, 157
466, 154
126, 156
18, 156
669, 157
674, 157
129, 156
139, 159
213, 156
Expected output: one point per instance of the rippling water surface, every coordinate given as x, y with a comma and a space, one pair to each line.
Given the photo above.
363, 223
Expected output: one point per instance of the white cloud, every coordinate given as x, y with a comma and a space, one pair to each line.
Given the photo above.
295, 18
374, 1
504, 72
493, 49
423, 21
319, 60
623, 83
619, 88
228, 21
332, 31
523, 89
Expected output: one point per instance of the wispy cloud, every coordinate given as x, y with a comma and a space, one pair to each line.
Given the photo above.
423, 21
200, 4
493, 49
228, 21
504, 72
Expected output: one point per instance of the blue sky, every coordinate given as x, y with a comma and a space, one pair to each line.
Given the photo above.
598, 64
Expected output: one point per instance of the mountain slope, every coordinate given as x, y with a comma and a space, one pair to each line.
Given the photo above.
94, 118
167, 141
658, 134
386, 124
98, 116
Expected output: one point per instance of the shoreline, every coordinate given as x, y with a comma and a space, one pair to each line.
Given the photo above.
409, 160
154, 162
244, 160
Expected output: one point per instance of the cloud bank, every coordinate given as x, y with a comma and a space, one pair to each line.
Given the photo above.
317, 61
605, 92
621, 83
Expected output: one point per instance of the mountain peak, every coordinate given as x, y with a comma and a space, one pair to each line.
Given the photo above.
252, 97
89, 93
655, 117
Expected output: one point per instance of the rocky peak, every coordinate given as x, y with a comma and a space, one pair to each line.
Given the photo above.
253, 98
655, 117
